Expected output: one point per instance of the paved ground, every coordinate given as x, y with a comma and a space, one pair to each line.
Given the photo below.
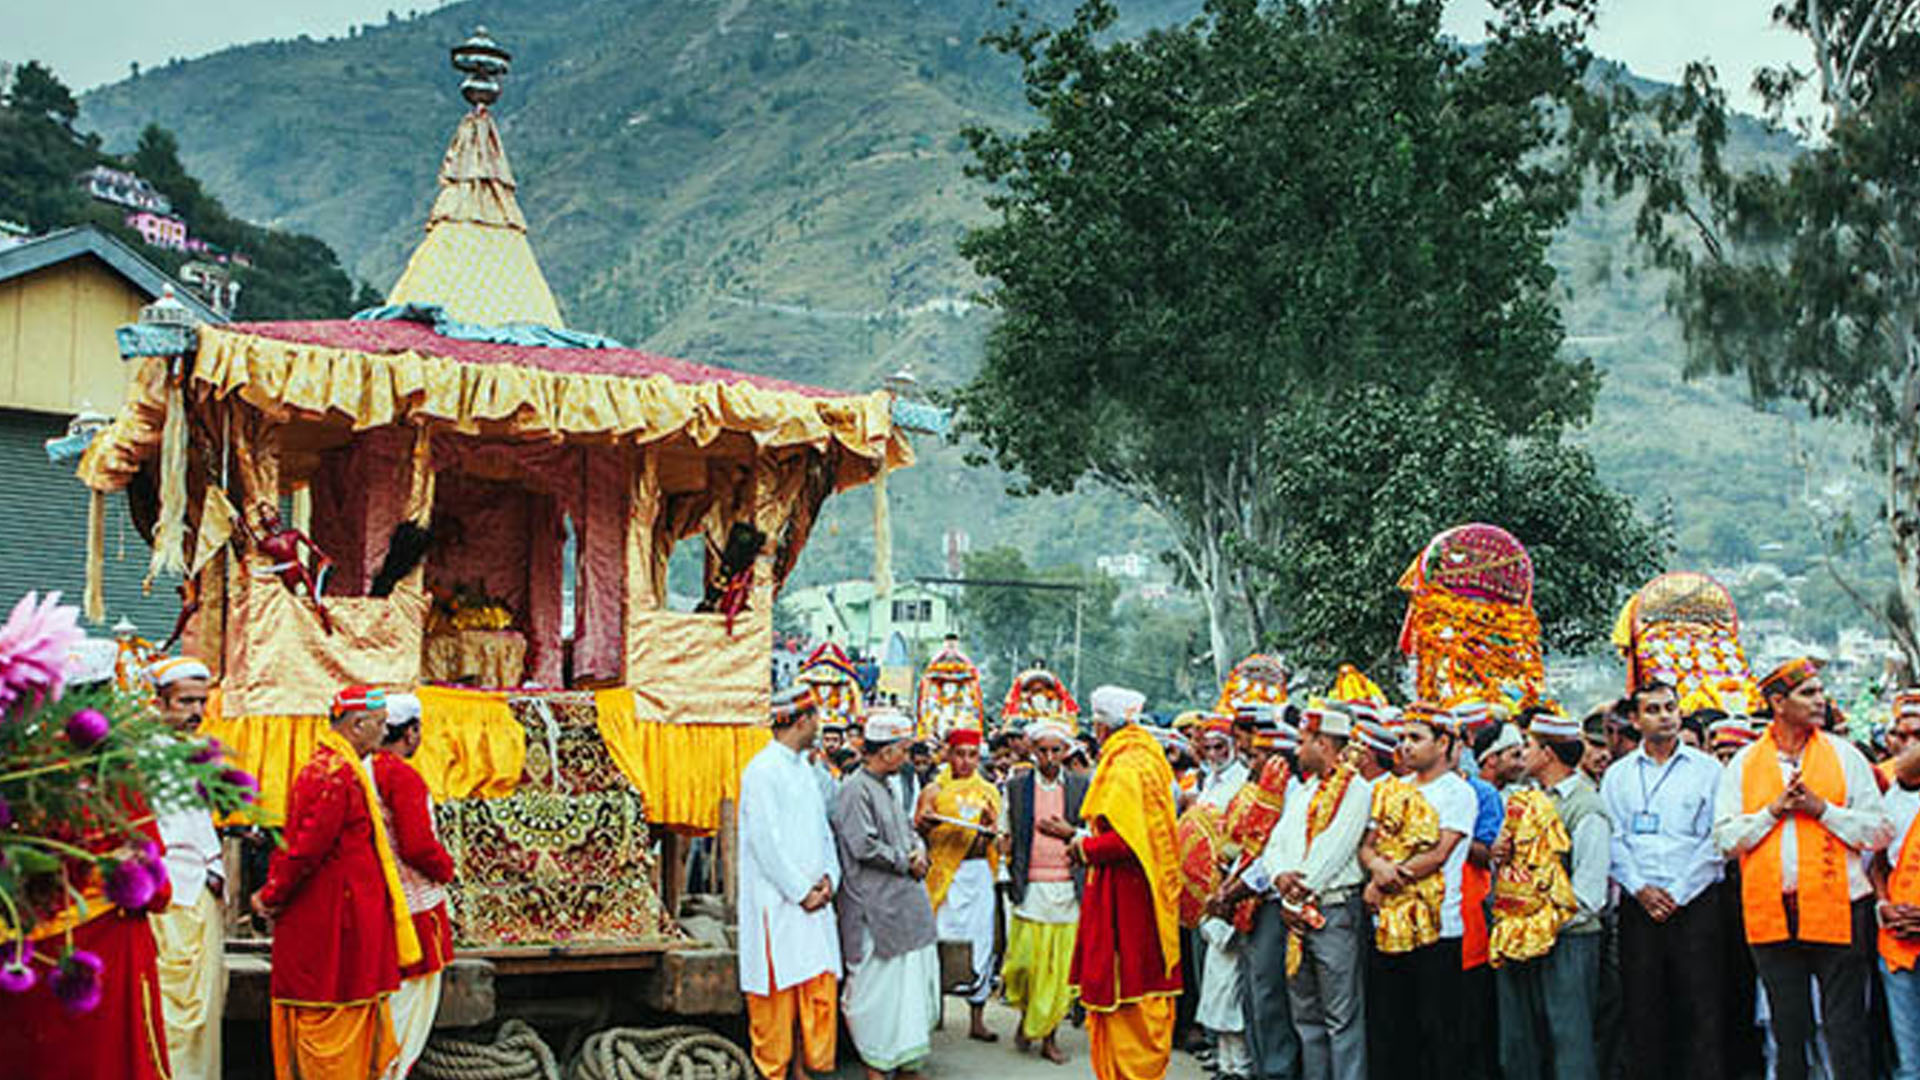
955, 1056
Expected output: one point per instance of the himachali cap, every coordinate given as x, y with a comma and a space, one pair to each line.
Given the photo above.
1116, 704
178, 669
1786, 678
1733, 731
358, 699
402, 709
1554, 727
885, 726
1470, 716
1326, 718
1272, 731
961, 736
1906, 703
792, 703
1508, 739
1376, 737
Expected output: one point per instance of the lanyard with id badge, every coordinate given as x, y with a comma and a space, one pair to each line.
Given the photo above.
1646, 822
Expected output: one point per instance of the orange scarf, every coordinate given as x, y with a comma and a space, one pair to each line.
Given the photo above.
1825, 911
1903, 888
1320, 811
1133, 791
403, 933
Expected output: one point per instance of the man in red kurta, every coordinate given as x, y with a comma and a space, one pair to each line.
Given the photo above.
1132, 896
341, 928
424, 868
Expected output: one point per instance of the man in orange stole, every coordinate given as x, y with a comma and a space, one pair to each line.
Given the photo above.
341, 929
425, 869
1799, 807
1132, 896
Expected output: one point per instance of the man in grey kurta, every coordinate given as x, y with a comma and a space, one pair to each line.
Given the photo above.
892, 995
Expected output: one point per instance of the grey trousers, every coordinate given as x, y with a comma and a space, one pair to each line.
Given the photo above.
1329, 1005
1546, 1012
1274, 1044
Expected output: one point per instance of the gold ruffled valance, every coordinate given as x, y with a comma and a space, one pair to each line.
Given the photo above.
379, 389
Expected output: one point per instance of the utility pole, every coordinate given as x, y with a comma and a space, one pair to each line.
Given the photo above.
1039, 586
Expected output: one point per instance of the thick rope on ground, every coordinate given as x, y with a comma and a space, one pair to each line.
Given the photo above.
516, 1053
670, 1053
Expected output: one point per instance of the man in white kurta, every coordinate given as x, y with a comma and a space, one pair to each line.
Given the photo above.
1223, 983
191, 934
788, 873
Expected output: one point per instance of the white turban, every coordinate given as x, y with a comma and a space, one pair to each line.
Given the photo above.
1049, 730
1117, 704
402, 709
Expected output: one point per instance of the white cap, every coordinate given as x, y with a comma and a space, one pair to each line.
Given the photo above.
887, 725
176, 669
402, 709
1508, 739
1116, 704
91, 660
1047, 729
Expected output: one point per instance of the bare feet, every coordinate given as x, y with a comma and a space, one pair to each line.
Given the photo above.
1021, 1042
977, 1031
1052, 1052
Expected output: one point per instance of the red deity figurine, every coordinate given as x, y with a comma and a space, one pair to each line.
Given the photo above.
281, 544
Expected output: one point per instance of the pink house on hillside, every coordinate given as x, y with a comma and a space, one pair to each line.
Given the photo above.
159, 230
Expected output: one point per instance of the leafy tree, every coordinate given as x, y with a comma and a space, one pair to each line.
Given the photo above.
1373, 475
1262, 208
1807, 281
38, 92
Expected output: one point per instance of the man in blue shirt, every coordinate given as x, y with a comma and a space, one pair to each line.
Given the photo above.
1660, 798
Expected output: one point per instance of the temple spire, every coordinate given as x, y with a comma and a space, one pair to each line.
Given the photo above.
475, 260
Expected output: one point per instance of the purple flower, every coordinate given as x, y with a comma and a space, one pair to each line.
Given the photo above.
6, 813
77, 981
16, 973
242, 779
34, 643
130, 884
87, 727
208, 753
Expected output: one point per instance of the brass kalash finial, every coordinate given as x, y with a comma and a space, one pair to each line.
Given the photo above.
485, 64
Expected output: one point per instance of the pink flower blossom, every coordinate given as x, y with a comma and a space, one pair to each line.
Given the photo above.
244, 780
16, 972
87, 727
34, 643
77, 981
130, 884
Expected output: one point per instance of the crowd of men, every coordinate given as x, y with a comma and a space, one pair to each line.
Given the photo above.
1395, 892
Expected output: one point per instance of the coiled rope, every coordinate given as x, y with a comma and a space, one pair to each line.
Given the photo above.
516, 1053
670, 1053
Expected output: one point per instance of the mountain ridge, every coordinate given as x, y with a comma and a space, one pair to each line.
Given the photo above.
778, 185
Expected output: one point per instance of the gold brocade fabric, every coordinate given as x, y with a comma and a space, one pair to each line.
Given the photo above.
691, 669
479, 273
1532, 895
281, 662
1405, 825
494, 658
470, 744
381, 389
683, 771
972, 799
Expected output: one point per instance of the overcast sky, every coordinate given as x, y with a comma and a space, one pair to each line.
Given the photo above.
90, 42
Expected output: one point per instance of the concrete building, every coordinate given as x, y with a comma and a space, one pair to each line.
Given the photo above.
61, 298
846, 614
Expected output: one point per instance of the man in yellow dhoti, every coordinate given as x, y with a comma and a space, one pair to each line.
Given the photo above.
191, 933
1041, 815
958, 814
1132, 896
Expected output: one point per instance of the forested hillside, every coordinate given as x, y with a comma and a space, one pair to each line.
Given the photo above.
778, 185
